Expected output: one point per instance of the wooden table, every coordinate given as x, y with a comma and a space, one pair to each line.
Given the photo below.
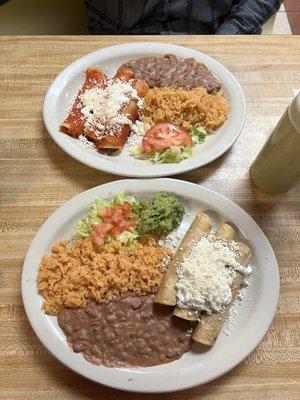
37, 177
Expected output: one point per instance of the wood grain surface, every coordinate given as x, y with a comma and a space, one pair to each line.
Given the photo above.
37, 177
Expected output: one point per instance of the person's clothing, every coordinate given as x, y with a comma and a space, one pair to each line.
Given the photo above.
114, 17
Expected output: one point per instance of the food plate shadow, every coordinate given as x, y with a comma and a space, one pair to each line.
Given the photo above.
80, 387
63, 377
263, 206
75, 384
201, 174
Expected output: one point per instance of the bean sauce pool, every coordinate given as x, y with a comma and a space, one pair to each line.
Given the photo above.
128, 332
172, 71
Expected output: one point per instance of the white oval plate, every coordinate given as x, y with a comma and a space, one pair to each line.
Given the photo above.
62, 91
255, 313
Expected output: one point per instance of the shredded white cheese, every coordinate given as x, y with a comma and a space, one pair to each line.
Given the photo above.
103, 106
87, 143
172, 240
138, 130
165, 263
205, 276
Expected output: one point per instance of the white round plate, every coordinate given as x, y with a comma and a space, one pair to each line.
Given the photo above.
255, 313
62, 91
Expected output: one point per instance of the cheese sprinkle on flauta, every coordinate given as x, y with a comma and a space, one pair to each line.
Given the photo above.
206, 274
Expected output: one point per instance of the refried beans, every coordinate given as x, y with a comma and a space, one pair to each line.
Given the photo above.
173, 71
128, 332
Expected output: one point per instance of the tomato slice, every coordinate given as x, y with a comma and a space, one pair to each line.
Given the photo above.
164, 135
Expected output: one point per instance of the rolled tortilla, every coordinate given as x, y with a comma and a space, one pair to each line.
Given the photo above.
209, 326
224, 232
200, 227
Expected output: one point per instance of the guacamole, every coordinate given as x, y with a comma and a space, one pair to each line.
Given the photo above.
161, 215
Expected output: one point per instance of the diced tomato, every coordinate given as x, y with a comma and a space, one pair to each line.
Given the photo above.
123, 224
121, 208
105, 212
115, 220
118, 207
126, 207
131, 216
118, 212
99, 240
164, 135
104, 228
115, 230
127, 225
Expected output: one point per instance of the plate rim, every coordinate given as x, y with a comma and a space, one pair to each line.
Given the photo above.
177, 168
166, 386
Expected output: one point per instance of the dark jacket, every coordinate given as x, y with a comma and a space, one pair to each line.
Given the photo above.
115, 17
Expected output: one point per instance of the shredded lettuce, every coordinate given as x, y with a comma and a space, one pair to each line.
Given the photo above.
137, 151
127, 237
198, 134
95, 207
121, 198
84, 226
171, 155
